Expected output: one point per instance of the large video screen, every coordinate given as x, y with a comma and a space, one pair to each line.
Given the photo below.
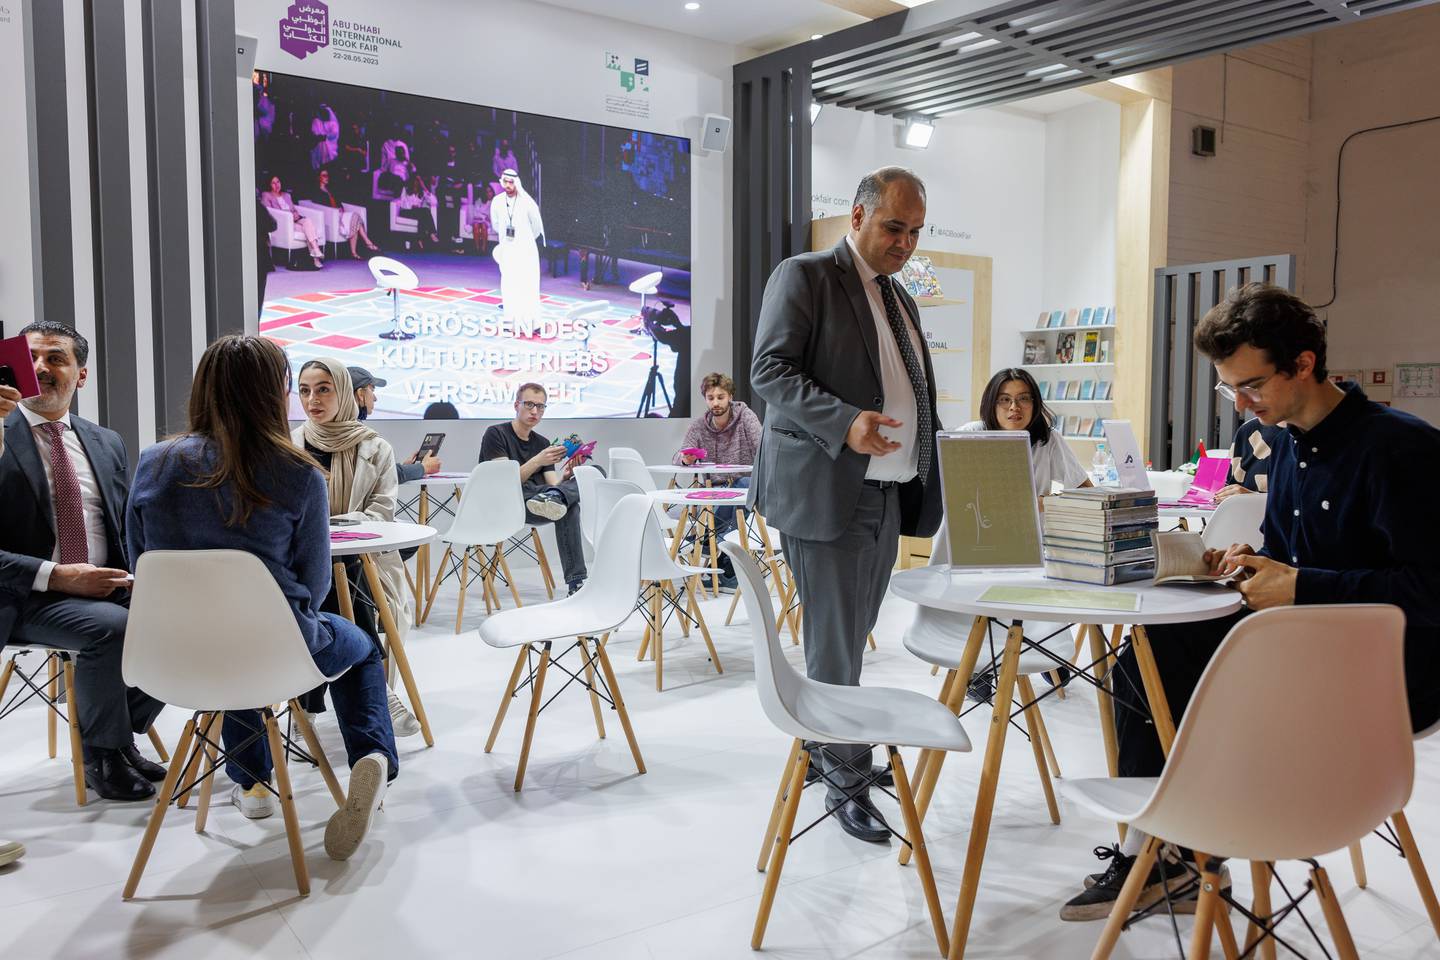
457, 251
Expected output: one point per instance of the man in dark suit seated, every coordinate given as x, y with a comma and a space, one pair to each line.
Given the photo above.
63, 583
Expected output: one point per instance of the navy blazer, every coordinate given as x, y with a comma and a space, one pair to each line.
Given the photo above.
27, 535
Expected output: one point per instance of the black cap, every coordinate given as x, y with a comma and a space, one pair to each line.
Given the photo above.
360, 377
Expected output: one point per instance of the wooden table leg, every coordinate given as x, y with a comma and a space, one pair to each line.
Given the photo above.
989, 780
1154, 689
679, 532
397, 646
422, 556
1100, 655
342, 593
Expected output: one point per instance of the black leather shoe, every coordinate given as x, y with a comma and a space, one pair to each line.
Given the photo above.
111, 776
860, 819
146, 768
886, 775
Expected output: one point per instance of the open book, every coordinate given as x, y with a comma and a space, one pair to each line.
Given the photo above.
1180, 558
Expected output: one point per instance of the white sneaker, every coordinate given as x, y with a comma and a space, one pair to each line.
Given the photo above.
349, 824
10, 851
547, 505
401, 718
257, 803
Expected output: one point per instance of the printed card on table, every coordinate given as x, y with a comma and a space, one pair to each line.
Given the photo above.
991, 512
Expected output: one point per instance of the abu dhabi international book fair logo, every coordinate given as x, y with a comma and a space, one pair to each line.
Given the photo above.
305, 28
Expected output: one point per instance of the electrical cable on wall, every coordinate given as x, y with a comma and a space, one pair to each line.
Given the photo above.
1339, 170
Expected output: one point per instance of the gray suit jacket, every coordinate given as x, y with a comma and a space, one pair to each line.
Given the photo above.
816, 367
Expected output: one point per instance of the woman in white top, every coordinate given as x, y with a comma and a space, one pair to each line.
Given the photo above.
278, 200
1011, 401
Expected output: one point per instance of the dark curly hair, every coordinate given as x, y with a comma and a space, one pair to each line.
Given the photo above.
1268, 318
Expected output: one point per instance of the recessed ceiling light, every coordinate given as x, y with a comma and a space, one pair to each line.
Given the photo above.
816, 36
692, 6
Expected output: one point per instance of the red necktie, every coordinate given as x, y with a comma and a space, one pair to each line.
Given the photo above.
69, 512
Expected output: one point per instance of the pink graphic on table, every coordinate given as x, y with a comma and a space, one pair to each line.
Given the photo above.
716, 495
1210, 474
345, 536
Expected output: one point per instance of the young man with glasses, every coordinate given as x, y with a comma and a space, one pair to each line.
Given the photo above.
1345, 522
550, 496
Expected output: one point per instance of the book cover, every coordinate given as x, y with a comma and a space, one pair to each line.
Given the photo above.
1065, 348
989, 495
1072, 317
1102, 390
1087, 426
1099, 430
1066, 423
1085, 316
1087, 390
1072, 390
1044, 389
1035, 351
1057, 317
1044, 320
1099, 317
1092, 346
918, 276
1104, 352
1121, 573
1059, 389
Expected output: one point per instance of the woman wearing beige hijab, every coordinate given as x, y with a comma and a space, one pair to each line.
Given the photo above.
360, 474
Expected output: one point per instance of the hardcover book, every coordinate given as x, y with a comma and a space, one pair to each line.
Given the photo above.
1092, 346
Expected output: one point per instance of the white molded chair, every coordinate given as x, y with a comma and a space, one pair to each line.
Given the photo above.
633, 469
1257, 776
624, 453
393, 276
250, 652
659, 573
1238, 519
603, 604
585, 480
809, 710
492, 511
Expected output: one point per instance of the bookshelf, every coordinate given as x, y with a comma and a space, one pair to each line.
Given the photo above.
1059, 344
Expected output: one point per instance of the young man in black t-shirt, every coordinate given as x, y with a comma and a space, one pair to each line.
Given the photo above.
550, 496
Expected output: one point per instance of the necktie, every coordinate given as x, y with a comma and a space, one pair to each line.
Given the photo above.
69, 513
924, 427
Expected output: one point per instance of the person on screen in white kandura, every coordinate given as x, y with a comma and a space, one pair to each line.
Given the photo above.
515, 218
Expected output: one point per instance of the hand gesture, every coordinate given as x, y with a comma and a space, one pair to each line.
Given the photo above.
686, 460
549, 456
432, 464
1229, 561
9, 398
1270, 583
1224, 493
87, 580
864, 435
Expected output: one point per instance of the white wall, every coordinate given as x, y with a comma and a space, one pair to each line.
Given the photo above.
1082, 163
524, 55
1034, 193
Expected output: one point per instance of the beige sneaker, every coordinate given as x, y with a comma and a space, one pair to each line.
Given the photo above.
10, 851
348, 825
256, 803
401, 719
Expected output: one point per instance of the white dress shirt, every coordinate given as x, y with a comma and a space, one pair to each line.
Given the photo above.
91, 504
902, 464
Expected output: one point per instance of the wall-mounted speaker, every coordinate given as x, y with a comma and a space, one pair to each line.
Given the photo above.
244, 55
1202, 142
716, 134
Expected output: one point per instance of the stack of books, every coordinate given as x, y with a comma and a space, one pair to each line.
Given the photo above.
1100, 535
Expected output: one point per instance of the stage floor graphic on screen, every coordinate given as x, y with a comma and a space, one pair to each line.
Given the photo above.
457, 251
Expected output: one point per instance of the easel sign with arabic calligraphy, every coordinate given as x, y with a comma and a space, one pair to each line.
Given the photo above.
991, 512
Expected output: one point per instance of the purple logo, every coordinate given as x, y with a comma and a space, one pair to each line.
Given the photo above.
305, 28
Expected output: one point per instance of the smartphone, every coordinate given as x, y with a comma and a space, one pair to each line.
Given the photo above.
7, 376
343, 522
430, 446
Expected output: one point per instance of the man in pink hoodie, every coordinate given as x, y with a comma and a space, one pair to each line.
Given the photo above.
729, 432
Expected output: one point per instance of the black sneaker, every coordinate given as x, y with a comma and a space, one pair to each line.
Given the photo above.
1097, 900
982, 687
548, 504
573, 587
728, 582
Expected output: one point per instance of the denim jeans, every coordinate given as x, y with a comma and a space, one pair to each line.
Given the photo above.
725, 516
361, 707
567, 529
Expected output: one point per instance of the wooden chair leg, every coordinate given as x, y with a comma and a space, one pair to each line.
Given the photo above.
870, 639
1334, 916
590, 682
782, 846
5, 673
202, 809
1027, 694
505, 700
312, 743
188, 781
537, 690
51, 721
162, 804
704, 630
510, 579
917, 844
72, 715
1124, 903
157, 743
544, 562
658, 613
435, 587
1204, 915
287, 805
779, 806
1045, 739
1260, 881
669, 591
465, 586
1357, 863
609, 672
1417, 867
734, 602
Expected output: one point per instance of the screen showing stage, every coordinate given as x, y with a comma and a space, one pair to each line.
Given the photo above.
399, 242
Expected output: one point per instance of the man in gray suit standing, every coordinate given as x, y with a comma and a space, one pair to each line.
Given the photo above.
847, 462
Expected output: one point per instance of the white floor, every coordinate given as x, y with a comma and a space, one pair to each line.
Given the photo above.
592, 861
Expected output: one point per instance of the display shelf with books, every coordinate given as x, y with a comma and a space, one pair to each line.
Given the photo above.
1071, 353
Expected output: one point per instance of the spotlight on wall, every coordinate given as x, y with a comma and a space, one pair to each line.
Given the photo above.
917, 133
814, 112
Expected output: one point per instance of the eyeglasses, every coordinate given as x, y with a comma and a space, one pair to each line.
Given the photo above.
1250, 391
1024, 400
532, 405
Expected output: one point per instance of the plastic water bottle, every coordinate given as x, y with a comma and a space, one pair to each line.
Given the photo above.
1100, 465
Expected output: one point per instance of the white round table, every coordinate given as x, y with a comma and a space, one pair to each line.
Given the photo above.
720, 497
959, 591
698, 511
702, 469
441, 479
1185, 514
391, 536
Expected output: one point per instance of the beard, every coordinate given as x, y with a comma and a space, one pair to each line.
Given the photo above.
49, 401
